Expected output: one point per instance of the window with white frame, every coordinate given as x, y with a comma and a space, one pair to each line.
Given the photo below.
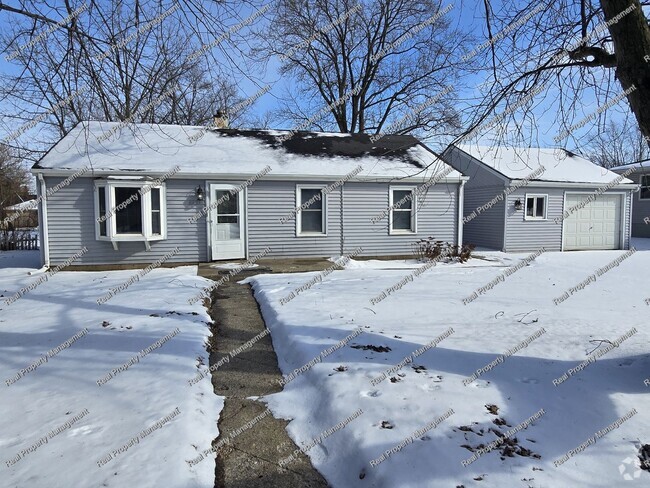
536, 207
312, 213
644, 194
402, 210
129, 211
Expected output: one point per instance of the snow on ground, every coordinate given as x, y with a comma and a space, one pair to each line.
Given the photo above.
57, 422
482, 259
517, 310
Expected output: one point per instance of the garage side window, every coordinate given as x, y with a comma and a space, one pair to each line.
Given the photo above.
536, 207
311, 211
645, 188
402, 210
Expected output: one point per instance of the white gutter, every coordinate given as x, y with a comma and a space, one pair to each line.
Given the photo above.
138, 174
43, 231
567, 184
461, 200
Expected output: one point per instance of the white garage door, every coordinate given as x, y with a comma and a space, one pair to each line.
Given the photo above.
597, 225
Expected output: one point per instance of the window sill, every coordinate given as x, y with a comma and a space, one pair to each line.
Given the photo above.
131, 238
533, 219
312, 234
402, 232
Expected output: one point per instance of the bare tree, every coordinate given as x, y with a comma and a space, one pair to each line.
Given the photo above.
367, 66
619, 143
587, 60
14, 181
149, 61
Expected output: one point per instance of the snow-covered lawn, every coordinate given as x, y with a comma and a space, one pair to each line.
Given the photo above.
58, 426
515, 325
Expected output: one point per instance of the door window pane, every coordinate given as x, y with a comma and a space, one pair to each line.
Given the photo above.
227, 219
227, 203
128, 220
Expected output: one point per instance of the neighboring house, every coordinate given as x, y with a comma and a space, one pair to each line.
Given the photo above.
568, 204
641, 203
340, 183
22, 215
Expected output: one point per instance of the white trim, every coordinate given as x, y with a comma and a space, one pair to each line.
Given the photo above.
207, 200
45, 243
144, 199
566, 184
535, 218
461, 198
621, 194
245, 193
241, 196
505, 225
245, 176
628, 222
414, 205
299, 188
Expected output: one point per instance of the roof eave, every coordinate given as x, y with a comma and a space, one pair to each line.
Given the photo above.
574, 184
244, 176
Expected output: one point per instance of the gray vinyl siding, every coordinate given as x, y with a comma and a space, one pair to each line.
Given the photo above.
436, 214
640, 209
41, 242
71, 226
269, 201
531, 235
487, 228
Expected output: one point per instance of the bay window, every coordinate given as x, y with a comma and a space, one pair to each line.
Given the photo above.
127, 210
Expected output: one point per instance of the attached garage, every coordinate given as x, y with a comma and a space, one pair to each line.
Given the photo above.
595, 224
525, 199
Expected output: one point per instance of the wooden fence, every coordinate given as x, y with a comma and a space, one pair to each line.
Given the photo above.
18, 242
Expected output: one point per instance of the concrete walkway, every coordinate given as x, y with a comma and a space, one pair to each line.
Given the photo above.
251, 459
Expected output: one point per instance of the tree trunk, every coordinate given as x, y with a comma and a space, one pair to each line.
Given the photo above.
631, 37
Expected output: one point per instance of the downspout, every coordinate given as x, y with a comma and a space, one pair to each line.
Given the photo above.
45, 243
342, 227
461, 201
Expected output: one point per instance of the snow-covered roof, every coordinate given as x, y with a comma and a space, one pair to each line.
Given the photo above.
560, 165
22, 206
636, 166
116, 148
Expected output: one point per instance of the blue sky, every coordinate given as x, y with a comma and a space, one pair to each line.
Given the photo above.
468, 16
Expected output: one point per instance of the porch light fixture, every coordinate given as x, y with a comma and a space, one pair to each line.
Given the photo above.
199, 194
518, 204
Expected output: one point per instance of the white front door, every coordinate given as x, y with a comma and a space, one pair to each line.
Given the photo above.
227, 222
597, 225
